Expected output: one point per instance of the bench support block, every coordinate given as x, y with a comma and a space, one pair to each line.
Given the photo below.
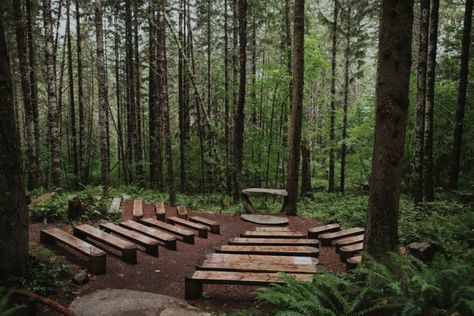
193, 289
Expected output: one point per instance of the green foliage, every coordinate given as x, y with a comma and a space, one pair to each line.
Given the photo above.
5, 308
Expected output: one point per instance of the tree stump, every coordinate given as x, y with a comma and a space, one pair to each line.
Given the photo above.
76, 208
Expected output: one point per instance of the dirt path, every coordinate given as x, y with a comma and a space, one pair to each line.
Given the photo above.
165, 274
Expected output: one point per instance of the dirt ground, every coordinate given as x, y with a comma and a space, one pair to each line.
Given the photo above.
165, 274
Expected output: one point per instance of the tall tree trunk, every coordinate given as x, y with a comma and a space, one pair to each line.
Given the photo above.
22, 49
208, 44
332, 109
72, 108
429, 106
118, 91
138, 150
294, 129
347, 55
181, 101
228, 176
53, 113
153, 108
393, 80
461, 103
80, 95
13, 211
163, 74
103, 97
239, 112
420, 101
130, 82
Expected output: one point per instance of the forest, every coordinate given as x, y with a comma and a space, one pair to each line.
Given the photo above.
350, 112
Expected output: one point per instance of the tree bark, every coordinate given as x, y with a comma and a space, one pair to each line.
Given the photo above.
429, 106
138, 108
461, 103
228, 176
130, 82
103, 97
153, 108
332, 110
80, 96
181, 102
393, 80
420, 102
239, 124
53, 113
294, 129
13, 211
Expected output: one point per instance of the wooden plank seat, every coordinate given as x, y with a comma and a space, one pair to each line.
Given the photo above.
201, 229
150, 244
160, 211
318, 230
347, 252
168, 240
304, 251
265, 234
256, 267
213, 225
137, 209
327, 238
193, 284
353, 262
126, 248
184, 234
274, 242
347, 241
96, 257
226, 257
272, 229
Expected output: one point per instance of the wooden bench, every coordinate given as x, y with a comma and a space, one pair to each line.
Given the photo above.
201, 229
160, 211
256, 267
150, 244
272, 229
304, 251
115, 205
127, 249
347, 252
97, 257
316, 231
169, 241
226, 257
137, 209
193, 284
182, 212
260, 234
353, 262
347, 241
327, 238
186, 235
274, 241
213, 225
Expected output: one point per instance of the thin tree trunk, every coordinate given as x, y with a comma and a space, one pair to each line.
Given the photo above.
420, 102
296, 118
103, 98
393, 80
153, 107
120, 141
228, 175
332, 110
461, 103
13, 210
80, 95
53, 113
138, 108
208, 34
305, 168
130, 82
429, 106
181, 101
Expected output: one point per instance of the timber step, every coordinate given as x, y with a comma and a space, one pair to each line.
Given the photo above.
193, 284
150, 244
213, 225
160, 211
201, 229
316, 231
127, 249
186, 235
264, 234
137, 209
327, 238
353, 262
256, 267
347, 252
168, 240
274, 242
226, 257
96, 256
272, 229
270, 250
347, 241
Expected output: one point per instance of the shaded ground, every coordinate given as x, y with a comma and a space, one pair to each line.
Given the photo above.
165, 274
